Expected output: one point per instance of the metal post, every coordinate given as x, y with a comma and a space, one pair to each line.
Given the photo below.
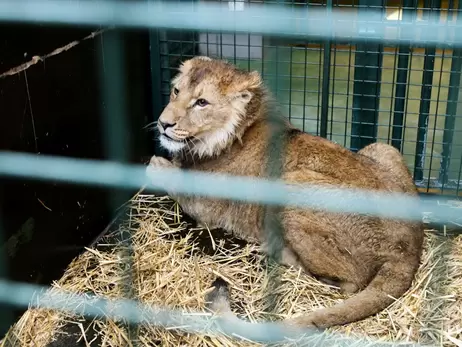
6, 316
273, 227
366, 88
117, 144
425, 101
451, 108
409, 11
453, 145
325, 81
156, 82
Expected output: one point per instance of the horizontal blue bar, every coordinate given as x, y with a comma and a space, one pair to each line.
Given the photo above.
269, 19
245, 189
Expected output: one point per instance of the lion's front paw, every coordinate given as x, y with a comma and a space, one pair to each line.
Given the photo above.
159, 162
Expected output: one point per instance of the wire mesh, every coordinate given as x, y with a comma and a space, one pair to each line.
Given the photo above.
354, 93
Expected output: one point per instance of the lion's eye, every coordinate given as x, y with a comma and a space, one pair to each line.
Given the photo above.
175, 91
201, 102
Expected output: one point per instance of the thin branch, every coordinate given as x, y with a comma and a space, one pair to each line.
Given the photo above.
36, 59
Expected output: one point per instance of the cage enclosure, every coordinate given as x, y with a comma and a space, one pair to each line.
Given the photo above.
95, 93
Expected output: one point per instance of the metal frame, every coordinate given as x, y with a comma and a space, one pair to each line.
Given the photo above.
366, 90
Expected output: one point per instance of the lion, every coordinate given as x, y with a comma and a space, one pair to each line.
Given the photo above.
217, 120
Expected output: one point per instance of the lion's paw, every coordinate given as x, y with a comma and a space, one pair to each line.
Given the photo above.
159, 162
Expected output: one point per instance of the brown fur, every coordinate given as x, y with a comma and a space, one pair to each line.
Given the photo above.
372, 256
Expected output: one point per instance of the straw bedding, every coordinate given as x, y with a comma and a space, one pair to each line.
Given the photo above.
174, 264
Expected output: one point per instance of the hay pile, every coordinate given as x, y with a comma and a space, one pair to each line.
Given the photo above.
174, 264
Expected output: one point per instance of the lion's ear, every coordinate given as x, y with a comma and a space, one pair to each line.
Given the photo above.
247, 83
254, 80
244, 90
186, 66
242, 97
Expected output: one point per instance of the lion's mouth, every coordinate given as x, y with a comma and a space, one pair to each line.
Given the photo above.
171, 138
175, 140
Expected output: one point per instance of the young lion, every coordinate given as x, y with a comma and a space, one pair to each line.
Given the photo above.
217, 121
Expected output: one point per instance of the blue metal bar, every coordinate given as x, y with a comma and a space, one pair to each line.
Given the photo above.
135, 312
274, 20
239, 188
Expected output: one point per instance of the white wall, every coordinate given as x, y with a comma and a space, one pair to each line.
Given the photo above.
227, 45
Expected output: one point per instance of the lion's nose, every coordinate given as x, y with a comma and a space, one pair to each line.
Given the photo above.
166, 125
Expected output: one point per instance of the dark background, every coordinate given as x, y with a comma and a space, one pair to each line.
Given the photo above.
65, 96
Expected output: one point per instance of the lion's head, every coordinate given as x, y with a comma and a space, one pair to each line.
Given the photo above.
208, 103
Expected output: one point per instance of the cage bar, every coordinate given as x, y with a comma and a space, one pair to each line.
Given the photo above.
273, 229
451, 109
156, 83
117, 144
325, 81
425, 97
409, 9
451, 113
366, 89
6, 316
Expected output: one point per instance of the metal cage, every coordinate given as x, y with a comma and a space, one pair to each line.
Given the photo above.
353, 93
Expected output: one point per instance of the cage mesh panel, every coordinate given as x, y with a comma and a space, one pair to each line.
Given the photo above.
414, 84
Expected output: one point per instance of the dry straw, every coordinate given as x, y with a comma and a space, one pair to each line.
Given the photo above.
175, 264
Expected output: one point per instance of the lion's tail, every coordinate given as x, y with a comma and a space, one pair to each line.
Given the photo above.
392, 280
